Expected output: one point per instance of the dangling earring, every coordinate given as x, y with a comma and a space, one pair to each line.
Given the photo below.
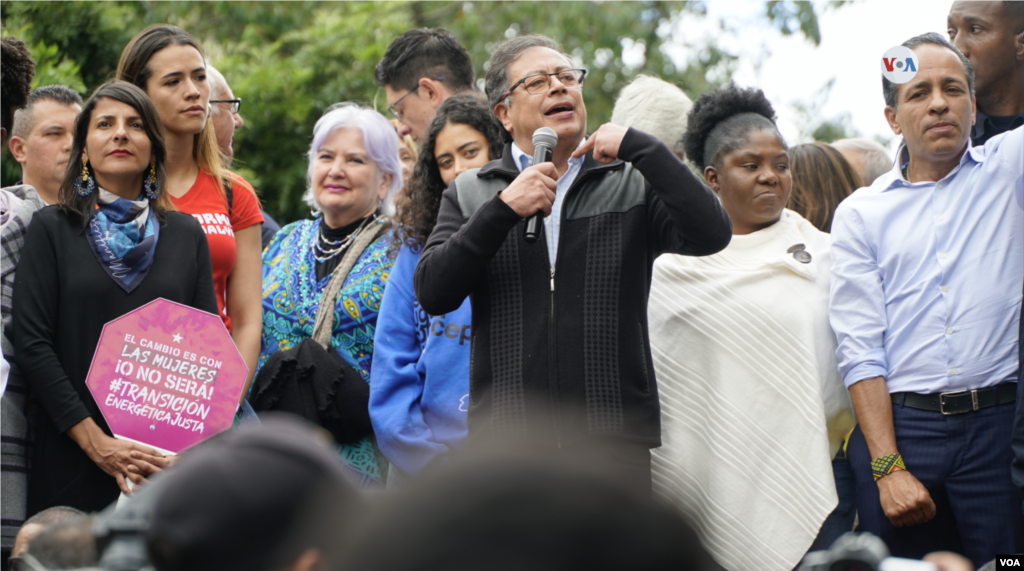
314, 211
85, 184
149, 186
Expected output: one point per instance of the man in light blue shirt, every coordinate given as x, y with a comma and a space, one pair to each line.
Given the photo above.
925, 302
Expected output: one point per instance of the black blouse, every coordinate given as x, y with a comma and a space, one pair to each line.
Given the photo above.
62, 299
328, 235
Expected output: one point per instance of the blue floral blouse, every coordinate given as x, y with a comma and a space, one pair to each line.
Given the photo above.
291, 297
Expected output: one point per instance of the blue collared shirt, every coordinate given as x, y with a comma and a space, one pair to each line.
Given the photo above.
926, 276
552, 224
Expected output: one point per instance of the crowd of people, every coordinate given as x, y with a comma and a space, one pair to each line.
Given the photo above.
732, 353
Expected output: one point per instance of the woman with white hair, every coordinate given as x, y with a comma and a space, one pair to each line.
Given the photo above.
656, 107
342, 254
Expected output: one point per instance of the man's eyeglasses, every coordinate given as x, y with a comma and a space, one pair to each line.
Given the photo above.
541, 82
236, 104
393, 108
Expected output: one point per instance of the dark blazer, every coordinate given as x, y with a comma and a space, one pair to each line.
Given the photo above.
562, 354
62, 299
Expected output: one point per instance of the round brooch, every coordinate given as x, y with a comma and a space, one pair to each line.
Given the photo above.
801, 255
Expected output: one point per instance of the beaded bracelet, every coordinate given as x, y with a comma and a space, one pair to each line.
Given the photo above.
885, 465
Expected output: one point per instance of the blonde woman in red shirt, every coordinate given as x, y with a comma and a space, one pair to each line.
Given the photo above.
169, 65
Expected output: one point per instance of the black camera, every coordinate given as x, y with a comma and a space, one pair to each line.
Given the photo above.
119, 533
860, 552
120, 530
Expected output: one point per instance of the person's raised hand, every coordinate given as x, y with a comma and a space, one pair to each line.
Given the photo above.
904, 499
605, 143
532, 191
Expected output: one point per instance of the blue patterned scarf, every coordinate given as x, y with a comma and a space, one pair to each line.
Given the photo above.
123, 236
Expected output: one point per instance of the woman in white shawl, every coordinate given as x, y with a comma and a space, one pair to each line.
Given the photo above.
753, 410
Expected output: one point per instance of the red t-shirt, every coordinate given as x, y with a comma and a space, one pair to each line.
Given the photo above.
205, 202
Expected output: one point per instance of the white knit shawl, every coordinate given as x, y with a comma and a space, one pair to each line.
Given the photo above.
752, 407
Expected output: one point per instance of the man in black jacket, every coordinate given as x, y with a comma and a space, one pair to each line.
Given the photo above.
563, 357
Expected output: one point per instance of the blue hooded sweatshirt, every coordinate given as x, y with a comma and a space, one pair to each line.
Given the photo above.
419, 379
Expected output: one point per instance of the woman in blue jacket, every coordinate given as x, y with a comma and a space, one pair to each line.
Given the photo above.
419, 381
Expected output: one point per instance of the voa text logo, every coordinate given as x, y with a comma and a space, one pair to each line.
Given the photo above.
1008, 562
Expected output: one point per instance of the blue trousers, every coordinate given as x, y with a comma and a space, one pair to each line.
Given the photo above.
841, 519
964, 462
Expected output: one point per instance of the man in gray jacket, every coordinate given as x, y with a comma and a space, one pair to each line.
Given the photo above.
559, 351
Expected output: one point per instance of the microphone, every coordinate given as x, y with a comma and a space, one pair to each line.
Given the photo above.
544, 141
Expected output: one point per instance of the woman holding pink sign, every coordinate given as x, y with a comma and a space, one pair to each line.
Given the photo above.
112, 245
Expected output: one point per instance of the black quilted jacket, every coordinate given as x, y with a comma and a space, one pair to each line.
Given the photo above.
561, 354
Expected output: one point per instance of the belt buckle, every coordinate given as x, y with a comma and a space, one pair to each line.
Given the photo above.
942, 401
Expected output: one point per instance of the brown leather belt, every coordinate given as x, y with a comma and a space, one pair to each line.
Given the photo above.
959, 402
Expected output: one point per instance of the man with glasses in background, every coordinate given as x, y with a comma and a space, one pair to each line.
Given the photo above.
224, 108
420, 69
559, 350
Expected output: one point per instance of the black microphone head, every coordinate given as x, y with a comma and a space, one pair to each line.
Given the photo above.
545, 136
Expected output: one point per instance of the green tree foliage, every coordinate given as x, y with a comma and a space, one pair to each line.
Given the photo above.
290, 60
815, 125
597, 34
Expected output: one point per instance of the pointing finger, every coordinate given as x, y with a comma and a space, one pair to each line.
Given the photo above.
587, 145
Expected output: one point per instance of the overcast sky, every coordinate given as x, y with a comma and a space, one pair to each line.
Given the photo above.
791, 69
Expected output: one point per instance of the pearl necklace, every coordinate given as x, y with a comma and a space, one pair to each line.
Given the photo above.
335, 247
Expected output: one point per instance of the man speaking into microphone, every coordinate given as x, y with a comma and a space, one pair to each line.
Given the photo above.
560, 353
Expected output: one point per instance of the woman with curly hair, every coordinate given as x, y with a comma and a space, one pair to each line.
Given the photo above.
749, 428
419, 385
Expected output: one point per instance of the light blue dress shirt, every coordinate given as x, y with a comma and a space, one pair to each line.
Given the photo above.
926, 276
553, 223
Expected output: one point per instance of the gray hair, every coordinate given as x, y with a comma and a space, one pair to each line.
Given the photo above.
877, 160
656, 107
218, 85
497, 81
24, 122
380, 140
889, 88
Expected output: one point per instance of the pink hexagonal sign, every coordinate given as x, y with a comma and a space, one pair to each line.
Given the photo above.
167, 375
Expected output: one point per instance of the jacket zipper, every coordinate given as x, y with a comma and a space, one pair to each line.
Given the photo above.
552, 350
553, 364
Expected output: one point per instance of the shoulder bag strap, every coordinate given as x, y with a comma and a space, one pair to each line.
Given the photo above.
324, 324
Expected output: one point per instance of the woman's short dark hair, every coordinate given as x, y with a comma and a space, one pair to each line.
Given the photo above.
82, 208
822, 178
721, 120
418, 213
